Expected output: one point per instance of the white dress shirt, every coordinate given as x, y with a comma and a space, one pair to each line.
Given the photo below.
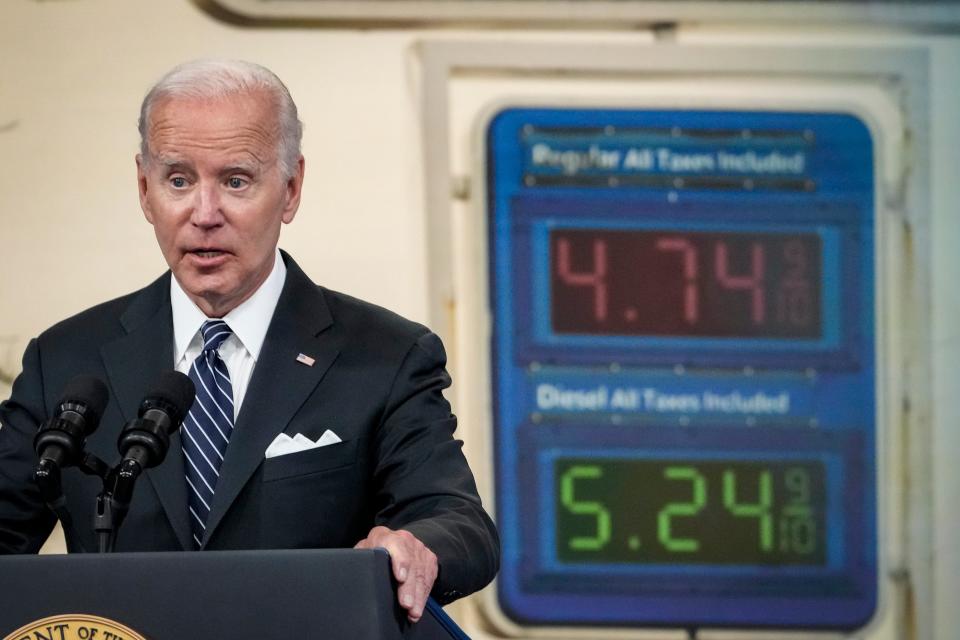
249, 323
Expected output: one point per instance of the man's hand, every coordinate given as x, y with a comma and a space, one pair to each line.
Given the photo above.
414, 566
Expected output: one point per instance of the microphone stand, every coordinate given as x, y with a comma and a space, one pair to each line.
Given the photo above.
47, 476
143, 444
113, 503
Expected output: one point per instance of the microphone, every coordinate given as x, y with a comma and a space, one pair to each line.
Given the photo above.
145, 440
59, 442
143, 443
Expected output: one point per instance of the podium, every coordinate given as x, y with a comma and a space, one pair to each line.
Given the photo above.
330, 594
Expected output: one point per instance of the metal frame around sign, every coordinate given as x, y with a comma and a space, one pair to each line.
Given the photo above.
927, 15
901, 71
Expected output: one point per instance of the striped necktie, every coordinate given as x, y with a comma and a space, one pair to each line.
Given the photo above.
206, 431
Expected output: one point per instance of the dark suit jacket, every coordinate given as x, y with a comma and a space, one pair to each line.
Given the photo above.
376, 383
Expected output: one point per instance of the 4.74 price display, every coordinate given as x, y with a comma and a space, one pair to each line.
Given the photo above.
690, 511
686, 283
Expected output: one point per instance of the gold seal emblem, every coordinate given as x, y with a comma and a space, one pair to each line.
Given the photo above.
74, 627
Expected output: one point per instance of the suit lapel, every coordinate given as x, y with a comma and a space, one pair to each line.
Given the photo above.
279, 386
133, 363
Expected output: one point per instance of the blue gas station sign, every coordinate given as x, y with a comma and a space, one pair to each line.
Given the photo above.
683, 367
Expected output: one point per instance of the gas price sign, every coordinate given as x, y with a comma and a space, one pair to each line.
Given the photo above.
683, 368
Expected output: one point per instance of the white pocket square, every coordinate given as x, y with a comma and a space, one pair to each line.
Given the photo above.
284, 444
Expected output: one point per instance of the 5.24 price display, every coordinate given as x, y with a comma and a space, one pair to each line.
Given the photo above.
690, 511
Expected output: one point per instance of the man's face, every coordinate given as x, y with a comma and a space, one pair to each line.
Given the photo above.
213, 190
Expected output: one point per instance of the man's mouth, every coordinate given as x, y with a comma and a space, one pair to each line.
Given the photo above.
208, 253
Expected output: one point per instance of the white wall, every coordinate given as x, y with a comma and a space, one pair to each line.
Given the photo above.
945, 335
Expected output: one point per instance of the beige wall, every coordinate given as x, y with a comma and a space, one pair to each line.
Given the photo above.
72, 75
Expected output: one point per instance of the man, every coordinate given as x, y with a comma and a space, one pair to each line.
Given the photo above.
277, 362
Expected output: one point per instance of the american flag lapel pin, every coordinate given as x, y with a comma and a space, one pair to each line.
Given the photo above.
305, 359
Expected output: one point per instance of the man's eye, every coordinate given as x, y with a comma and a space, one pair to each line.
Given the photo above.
178, 182
236, 182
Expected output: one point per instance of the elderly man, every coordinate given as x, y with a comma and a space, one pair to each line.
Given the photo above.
277, 361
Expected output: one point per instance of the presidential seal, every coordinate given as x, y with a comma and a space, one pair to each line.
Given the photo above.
74, 627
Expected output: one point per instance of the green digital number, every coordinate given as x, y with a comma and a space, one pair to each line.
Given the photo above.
585, 507
798, 529
797, 481
681, 509
759, 509
798, 534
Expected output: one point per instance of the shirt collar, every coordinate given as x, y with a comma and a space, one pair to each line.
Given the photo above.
249, 321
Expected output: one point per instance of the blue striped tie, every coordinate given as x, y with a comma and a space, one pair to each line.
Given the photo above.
206, 431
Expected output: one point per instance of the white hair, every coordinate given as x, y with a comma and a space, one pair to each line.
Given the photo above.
215, 79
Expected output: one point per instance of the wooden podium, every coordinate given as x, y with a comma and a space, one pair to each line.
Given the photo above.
328, 594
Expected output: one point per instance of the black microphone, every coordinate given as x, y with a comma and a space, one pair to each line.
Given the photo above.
60, 440
145, 441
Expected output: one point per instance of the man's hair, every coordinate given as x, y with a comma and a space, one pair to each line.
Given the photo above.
216, 79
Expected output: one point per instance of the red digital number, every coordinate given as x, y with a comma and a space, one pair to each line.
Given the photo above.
752, 282
691, 308
794, 298
596, 278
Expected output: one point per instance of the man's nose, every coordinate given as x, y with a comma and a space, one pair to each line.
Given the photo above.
206, 210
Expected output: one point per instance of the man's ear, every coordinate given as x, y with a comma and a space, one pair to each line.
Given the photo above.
142, 188
294, 188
